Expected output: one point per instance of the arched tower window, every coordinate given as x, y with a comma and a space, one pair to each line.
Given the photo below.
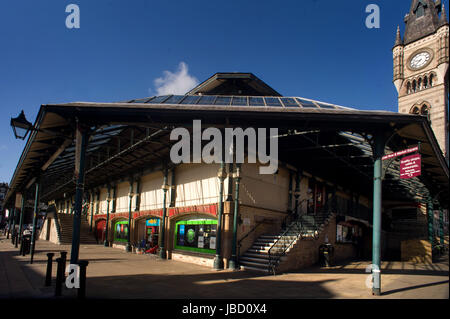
414, 86
431, 80
419, 84
415, 110
408, 88
425, 82
424, 110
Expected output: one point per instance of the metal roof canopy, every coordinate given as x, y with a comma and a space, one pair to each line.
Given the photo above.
129, 137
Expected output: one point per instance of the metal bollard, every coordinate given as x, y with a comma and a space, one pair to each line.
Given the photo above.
82, 290
59, 277
17, 240
48, 276
64, 257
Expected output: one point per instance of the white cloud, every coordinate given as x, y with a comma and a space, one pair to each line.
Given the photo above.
179, 82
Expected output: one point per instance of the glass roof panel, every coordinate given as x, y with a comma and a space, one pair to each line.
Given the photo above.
326, 106
239, 100
174, 99
256, 101
306, 103
289, 102
191, 99
273, 101
207, 99
223, 100
158, 99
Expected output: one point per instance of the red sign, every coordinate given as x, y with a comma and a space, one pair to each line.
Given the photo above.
410, 166
399, 153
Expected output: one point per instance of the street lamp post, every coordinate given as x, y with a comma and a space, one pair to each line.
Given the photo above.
218, 261
234, 258
165, 187
130, 196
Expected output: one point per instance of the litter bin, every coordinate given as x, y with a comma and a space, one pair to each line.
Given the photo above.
326, 255
26, 244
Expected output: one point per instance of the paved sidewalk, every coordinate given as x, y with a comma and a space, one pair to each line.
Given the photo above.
113, 273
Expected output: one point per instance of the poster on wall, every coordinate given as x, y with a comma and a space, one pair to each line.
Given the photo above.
212, 243
196, 235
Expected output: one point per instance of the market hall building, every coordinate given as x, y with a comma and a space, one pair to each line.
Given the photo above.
331, 184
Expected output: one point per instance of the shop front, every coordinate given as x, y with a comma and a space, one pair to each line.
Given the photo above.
196, 235
148, 230
120, 235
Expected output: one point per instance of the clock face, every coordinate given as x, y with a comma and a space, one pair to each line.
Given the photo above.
419, 60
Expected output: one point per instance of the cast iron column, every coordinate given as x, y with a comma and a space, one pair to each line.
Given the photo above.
234, 258
441, 227
22, 212
165, 188
430, 214
218, 261
13, 226
108, 199
130, 196
378, 151
91, 208
81, 143
35, 213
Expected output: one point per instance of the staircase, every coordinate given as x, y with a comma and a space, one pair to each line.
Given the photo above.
65, 230
269, 250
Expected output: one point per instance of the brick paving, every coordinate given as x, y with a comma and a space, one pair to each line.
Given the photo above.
113, 273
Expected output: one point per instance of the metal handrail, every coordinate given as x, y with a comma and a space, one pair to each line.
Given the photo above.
298, 222
293, 224
246, 235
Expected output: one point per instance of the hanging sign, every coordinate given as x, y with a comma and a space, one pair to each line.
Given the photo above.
410, 166
400, 153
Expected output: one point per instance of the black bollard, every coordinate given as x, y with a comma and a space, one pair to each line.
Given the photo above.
64, 257
59, 277
48, 276
17, 240
82, 290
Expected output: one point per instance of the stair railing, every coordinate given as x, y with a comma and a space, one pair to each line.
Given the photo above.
281, 251
57, 226
239, 244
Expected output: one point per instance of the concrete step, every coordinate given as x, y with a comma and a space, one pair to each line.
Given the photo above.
246, 267
261, 261
253, 264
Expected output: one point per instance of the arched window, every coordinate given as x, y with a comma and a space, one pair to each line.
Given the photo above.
431, 80
408, 88
424, 110
415, 110
425, 82
414, 86
419, 84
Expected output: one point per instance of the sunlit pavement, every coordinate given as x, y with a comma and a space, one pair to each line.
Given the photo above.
113, 273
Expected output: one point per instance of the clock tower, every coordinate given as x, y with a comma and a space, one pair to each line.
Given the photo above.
421, 66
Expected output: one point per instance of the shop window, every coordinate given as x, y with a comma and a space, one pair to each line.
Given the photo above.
121, 231
347, 233
316, 197
197, 235
149, 231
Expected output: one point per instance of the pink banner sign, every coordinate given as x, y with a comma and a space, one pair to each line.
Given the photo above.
410, 166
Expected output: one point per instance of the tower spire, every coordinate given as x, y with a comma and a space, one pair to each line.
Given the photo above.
398, 38
443, 20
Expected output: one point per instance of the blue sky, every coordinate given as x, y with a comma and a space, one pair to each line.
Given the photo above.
318, 49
